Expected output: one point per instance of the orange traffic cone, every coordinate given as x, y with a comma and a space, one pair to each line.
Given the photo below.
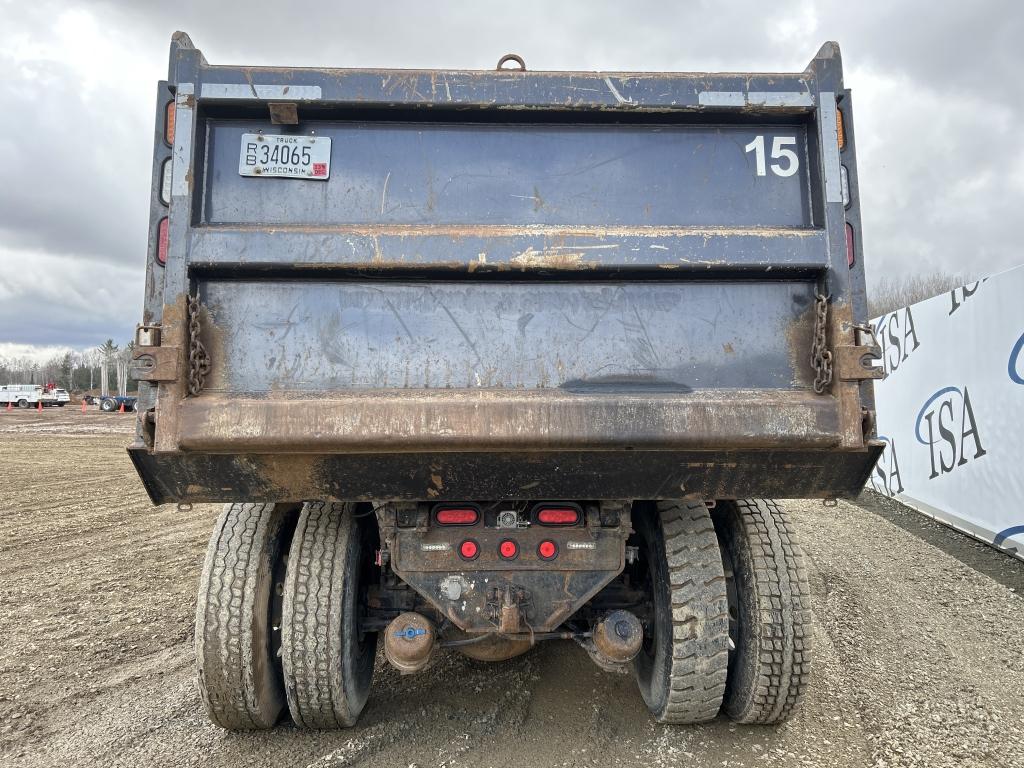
83, 405
10, 405
39, 406
121, 409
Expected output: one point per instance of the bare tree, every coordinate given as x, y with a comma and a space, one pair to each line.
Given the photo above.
90, 358
123, 360
107, 351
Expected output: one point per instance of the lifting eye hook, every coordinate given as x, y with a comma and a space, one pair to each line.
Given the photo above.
513, 57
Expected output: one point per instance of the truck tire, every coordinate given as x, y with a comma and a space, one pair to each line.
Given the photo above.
106, 404
770, 611
236, 647
23, 403
681, 669
328, 667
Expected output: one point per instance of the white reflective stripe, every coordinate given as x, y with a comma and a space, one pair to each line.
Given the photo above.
181, 156
755, 99
721, 98
830, 148
780, 99
256, 91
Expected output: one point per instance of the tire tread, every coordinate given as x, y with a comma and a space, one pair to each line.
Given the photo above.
777, 667
312, 634
234, 698
700, 619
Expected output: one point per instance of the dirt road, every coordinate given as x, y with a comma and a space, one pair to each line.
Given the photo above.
919, 656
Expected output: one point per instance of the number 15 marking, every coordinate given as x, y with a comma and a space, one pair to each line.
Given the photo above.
779, 152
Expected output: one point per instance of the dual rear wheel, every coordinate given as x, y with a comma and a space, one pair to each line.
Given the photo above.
276, 620
730, 625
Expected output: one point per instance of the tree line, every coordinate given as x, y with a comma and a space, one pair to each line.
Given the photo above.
82, 371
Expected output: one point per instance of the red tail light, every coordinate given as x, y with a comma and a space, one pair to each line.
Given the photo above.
469, 550
162, 241
457, 516
558, 516
508, 549
850, 256
547, 550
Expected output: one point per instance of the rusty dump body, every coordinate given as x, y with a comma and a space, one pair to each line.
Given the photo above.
513, 285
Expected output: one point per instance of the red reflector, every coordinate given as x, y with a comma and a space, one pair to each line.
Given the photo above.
558, 516
850, 256
547, 550
467, 516
508, 549
162, 241
468, 550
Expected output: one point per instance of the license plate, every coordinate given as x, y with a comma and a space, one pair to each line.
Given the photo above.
290, 157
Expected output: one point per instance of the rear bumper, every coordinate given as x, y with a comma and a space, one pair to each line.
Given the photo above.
491, 445
210, 477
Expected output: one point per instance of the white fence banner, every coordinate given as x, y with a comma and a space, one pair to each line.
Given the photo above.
951, 410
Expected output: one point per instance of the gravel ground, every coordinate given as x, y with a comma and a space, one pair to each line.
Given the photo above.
919, 646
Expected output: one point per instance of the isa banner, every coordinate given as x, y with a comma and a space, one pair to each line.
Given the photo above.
951, 410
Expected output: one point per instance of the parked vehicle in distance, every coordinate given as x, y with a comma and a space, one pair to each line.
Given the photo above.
21, 395
485, 359
112, 403
31, 395
55, 396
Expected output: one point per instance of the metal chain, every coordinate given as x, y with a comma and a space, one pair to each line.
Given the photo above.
198, 359
821, 356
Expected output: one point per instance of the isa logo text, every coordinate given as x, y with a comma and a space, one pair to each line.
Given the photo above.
886, 476
897, 337
946, 424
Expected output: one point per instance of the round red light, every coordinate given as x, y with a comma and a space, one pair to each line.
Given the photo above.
508, 549
468, 550
547, 550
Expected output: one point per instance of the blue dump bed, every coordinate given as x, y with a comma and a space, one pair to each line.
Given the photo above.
384, 284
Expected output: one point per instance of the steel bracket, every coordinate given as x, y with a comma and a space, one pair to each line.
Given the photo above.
155, 363
284, 113
855, 363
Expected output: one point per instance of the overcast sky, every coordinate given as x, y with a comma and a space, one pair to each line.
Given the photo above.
937, 88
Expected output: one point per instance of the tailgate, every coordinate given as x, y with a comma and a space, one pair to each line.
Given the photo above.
491, 264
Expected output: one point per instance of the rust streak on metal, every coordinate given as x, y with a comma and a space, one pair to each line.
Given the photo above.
413, 420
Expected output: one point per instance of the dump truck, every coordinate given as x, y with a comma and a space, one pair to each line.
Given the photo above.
478, 360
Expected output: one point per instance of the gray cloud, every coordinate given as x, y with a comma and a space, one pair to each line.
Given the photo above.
935, 87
